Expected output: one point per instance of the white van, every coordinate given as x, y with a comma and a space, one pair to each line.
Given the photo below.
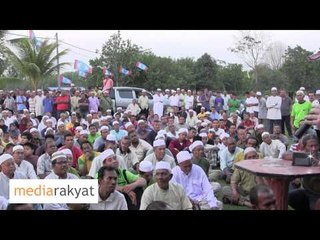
122, 96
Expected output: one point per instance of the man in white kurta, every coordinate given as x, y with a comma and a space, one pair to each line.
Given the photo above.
8, 171
271, 148
194, 181
38, 100
171, 193
158, 103
23, 166
274, 109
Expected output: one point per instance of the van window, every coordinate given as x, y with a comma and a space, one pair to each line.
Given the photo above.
125, 93
149, 96
112, 94
138, 93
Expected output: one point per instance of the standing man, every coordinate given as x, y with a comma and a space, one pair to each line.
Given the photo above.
286, 104
274, 108
38, 101
107, 84
158, 103
143, 101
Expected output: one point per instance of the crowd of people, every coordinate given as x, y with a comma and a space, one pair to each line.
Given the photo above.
173, 156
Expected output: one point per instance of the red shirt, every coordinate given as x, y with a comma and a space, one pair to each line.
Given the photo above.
62, 106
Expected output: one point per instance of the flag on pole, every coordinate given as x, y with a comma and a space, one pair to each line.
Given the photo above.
82, 67
124, 71
65, 80
33, 38
314, 57
106, 72
141, 66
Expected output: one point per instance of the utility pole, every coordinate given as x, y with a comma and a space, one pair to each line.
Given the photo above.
58, 70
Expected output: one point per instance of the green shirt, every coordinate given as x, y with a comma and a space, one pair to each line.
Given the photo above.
91, 138
122, 180
203, 163
299, 111
234, 105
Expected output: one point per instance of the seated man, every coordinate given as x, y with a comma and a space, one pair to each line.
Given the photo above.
262, 198
241, 183
195, 183
163, 190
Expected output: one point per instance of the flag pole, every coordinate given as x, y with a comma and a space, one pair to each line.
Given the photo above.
58, 66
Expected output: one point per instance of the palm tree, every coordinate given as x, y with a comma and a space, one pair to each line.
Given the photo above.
34, 64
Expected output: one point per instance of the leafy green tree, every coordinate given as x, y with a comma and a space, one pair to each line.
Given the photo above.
34, 65
299, 70
205, 71
231, 76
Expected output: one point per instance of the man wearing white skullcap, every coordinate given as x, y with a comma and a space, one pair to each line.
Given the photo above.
159, 154
146, 171
69, 156
197, 149
195, 182
274, 108
166, 191
117, 132
104, 131
8, 172
158, 100
131, 185
241, 183
271, 148
22, 165
59, 171
181, 143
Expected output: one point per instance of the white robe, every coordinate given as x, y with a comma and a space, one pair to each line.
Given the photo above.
158, 104
39, 105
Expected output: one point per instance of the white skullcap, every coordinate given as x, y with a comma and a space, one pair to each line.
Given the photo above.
302, 89
207, 113
143, 90
274, 89
89, 115
204, 124
224, 135
119, 108
128, 124
198, 121
79, 128
145, 166
33, 130
258, 93
67, 151
203, 134
178, 89
49, 120
73, 113
162, 132
195, 144
25, 110
203, 108
183, 156
115, 122
17, 147
104, 128
5, 157
259, 126
163, 165
159, 89
140, 121
58, 154
159, 143
108, 117
265, 133
182, 130
45, 117
92, 111
173, 91
39, 90
95, 120
109, 110
83, 132
167, 90
191, 110
318, 92
60, 123
160, 136
249, 149
111, 138
47, 130
299, 92
106, 154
